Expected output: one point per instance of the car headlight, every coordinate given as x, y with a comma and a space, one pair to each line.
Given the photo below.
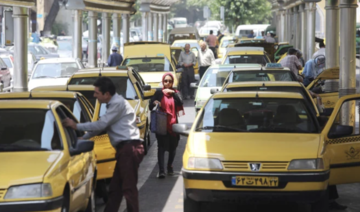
306, 164
204, 163
29, 191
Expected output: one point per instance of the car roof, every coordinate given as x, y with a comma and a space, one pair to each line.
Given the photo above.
183, 30
57, 60
240, 65
244, 49
39, 94
96, 73
263, 84
65, 88
26, 104
260, 69
257, 94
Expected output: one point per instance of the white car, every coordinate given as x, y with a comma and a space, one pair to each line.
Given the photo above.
9, 60
55, 71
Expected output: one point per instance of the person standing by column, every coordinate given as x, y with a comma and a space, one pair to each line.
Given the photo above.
211, 40
187, 60
115, 59
120, 123
206, 59
292, 62
170, 101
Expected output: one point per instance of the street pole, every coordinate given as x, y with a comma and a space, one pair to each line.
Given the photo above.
332, 34
310, 8
106, 37
156, 26
298, 28
77, 38
92, 39
303, 31
144, 23
126, 28
21, 21
116, 30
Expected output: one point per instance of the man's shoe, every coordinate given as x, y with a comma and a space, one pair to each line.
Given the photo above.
170, 171
161, 175
336, 206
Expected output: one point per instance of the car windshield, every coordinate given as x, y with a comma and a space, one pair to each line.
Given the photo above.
55, 70
28, 130
182, 44
36, 50
123, 86
180, 21
149, 64
207, 31
215, 77
7, 61
225, 43
65, 45
249, 76
273, 115
259, 59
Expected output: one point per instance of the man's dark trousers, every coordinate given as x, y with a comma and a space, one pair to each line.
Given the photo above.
202, 71
124, 181
187, 77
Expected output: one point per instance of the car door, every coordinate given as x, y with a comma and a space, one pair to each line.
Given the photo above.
342, 141
76, 164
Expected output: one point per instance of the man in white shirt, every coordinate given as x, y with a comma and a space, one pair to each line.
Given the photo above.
321, 51
206, 59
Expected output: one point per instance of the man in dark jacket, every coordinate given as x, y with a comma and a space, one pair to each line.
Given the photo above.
115, 59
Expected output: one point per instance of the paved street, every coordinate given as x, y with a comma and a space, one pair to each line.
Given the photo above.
166, 195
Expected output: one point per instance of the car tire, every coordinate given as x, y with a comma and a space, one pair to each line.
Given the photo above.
91, 204
191, 205
66, 202
322, 205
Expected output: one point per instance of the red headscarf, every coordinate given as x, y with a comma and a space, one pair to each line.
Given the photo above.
168, 105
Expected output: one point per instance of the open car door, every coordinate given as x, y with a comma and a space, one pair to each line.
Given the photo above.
341, 148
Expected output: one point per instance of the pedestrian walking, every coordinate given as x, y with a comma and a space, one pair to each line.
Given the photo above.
220, 36
292, 62
170, 102
211, 41
187, 60
206, 59
115, 59
120, 123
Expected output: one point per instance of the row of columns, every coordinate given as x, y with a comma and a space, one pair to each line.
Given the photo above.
154, 26
120, 23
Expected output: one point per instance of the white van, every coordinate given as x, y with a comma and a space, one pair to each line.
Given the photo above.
245, 30
179, 22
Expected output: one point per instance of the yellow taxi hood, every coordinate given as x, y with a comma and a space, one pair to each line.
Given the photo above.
25, 167
331, 73
254, 146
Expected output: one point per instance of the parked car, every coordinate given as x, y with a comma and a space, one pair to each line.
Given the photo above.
5, 75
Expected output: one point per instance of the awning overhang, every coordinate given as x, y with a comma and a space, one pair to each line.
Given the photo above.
106, 6
18, 3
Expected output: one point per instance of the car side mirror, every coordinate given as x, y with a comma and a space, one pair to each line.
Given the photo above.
149, 94
194, 85
179, 70
3, 68
82, 146
146, 87
180, 129
214, 90
197, 77
340, 131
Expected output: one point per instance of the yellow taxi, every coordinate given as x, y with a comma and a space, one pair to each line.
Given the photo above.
225, 41
326, 85
47, 167
236, 55
245, 145
151, 60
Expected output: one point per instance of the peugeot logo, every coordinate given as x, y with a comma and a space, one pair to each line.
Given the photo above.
255, 167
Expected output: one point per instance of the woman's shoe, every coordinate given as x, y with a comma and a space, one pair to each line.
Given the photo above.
161, 175
170, 171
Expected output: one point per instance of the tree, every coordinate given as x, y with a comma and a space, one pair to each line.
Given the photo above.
50, 18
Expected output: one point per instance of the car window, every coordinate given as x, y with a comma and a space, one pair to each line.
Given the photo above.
226, 42
36, 50
149, 64
248, 76
7, 62
271, 115
214, 77
233, 59
55, 70
28, 130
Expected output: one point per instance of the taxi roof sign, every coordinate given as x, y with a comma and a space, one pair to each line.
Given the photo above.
273, 65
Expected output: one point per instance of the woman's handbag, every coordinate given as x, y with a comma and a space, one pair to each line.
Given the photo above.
158, 123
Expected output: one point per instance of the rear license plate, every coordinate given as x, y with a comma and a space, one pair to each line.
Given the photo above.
255, 181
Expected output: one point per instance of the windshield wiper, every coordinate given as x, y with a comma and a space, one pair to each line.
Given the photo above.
231, 129
278, 129
13, 148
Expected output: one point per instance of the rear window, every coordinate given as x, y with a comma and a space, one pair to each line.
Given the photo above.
251, 76
214, 77
259, 59
149, 64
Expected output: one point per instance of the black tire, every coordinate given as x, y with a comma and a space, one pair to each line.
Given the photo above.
66, 202
322, 205
91, 204
191, 205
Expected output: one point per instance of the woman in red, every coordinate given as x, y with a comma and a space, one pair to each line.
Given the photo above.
170, 101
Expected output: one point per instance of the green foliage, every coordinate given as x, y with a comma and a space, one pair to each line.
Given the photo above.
57, 28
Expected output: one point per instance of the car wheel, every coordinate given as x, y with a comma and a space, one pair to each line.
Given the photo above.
91, 204
190, 205
322, 205
66, 203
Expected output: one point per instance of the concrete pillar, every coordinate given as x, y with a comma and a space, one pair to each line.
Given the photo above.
303, 18
106, 37
21, 25
283, 25
297, 28
144, 23
150, 28
161, 28
92, 39
77, 37
293, 26
156, 27
278, 25
332, 33
165, 23
126, 28
289, 24
116, 18
310, 8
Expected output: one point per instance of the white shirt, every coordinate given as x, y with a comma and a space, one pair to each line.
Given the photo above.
318, 53
206, 57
